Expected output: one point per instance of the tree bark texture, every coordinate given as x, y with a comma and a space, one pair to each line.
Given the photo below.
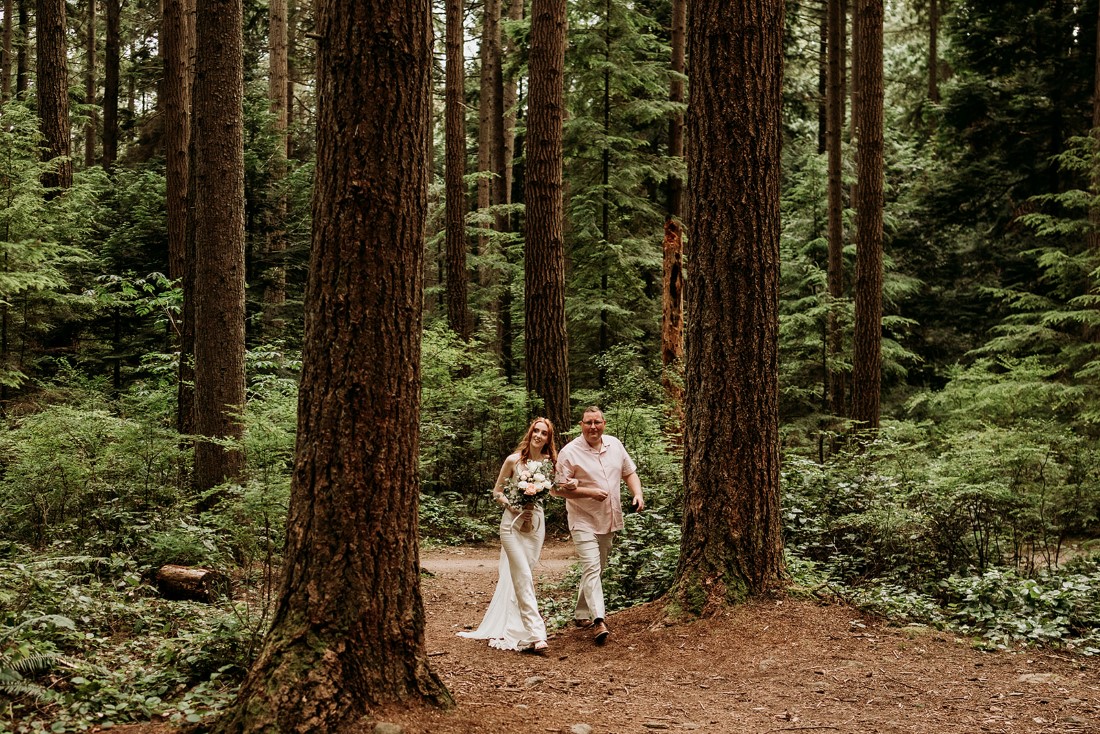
867, 343
456, 170
731, 546
275, 255
5, 53
111, 59
823, 79
547, 349
834, 93
177, 39
194, 584
53, 92
348, 629
90, 87
490, 36
218, 202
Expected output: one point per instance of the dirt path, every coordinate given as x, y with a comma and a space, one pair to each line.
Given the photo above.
780, 666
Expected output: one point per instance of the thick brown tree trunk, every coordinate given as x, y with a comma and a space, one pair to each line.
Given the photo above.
21, 54
218, 206
291, 72
176, 40
456, 170
350, 610
544, 267
732, 544
275, 254
53, 92
867, 342
90, 88
490, 19
1094, 210
834, 94
111, 56
672, 290
5, 54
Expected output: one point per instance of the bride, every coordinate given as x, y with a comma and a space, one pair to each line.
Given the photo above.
512, 621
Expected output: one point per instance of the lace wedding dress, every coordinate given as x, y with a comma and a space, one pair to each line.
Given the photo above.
512, 621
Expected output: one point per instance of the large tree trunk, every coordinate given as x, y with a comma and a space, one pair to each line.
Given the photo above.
53, 92
5, 54
732, 544
834, 93
672, 290
218, 202
867, 343
822, 80
275, 255
456, 170
90, 88
177, 43
350, 610
544, 269
111, 52
1093, 237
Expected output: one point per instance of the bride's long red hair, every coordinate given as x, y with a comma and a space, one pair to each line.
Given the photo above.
524, 446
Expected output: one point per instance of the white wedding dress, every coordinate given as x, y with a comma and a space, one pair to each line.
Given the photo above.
513, 621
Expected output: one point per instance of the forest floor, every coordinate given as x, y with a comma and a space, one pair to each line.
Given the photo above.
783, 665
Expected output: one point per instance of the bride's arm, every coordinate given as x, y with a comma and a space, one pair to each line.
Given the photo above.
498, 488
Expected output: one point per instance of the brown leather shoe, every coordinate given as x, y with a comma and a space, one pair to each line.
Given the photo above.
600, 632
583, 623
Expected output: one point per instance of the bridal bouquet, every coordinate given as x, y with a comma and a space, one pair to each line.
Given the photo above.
530, 484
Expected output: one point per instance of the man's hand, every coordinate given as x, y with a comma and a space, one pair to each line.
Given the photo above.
639, 503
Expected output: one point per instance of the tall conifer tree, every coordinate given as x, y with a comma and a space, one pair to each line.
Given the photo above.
732, 544
350, 610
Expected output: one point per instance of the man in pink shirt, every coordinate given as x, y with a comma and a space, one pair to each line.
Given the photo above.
589, 471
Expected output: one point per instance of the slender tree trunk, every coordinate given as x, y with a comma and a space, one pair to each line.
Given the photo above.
487, 275
456, 170
90, 88
822, 78
218, 201
933, 52
672, 290
544, 269
350, 610
111, 81
21, 54
53, 92
291, 72
1094, 210
176, 38
5, 54
731, 546
603, 341
867, 349
275, 255
834, 378
515, 13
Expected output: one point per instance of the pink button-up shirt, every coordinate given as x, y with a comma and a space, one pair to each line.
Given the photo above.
604, 469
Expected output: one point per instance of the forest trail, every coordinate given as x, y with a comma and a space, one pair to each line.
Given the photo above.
773, 666
777, 666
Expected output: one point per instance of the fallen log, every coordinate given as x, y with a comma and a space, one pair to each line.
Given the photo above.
192, 584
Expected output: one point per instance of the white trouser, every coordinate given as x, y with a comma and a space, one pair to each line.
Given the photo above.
522, 550
592, 549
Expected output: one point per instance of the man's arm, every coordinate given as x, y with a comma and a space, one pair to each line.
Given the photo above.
634, 484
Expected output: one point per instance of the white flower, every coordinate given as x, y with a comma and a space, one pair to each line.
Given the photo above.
522, 484
534, 465
539, 476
